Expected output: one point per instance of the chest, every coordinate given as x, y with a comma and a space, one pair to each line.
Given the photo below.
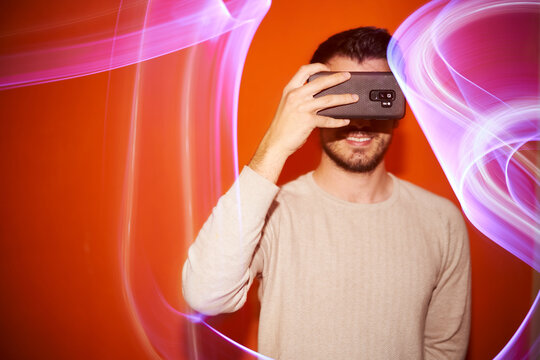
333, 259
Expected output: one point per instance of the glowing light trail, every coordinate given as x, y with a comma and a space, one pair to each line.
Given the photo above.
471, 74
208, 84
216, 36
472, 83
163, 27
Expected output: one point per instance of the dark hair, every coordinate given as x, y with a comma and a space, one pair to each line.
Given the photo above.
358, 44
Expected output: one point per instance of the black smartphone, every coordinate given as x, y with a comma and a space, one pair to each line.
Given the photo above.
380, 97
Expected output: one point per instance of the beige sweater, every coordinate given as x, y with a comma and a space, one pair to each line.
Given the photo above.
339, 280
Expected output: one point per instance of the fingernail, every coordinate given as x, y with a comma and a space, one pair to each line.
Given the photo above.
346, 75
355, 97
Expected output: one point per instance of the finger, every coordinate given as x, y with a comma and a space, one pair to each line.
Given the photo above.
304, 73
327, 101
328, 122
324, 82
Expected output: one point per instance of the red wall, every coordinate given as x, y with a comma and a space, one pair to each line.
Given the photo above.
285, 40
62, 163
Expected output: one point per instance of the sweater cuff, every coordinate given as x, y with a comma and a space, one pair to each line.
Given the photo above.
254, 189
255, 177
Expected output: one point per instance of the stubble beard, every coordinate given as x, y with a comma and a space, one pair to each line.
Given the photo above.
361, 161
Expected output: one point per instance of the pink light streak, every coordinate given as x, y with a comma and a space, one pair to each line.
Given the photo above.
471, 73
207, 87
210, 38
161, 27
483, 128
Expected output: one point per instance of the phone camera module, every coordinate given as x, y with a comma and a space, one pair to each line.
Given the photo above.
385, 97
382, 95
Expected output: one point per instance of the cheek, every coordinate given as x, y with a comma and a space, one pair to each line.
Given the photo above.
327, 135
386, 138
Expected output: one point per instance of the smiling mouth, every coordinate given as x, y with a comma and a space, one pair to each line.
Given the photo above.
359, 139
356, 137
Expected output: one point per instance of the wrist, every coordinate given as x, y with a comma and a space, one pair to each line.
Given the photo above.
268, 162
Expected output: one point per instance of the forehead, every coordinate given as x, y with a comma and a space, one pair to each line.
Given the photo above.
342, 63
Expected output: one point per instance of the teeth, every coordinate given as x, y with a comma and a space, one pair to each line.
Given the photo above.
359, 139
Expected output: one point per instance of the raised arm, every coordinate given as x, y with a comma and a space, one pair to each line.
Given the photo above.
296, 117
223, 260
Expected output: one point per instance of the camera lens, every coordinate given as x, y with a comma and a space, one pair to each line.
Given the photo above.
382, 94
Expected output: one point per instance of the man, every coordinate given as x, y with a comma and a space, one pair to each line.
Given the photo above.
353, 262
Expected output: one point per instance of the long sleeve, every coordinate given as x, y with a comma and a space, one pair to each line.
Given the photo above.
448, 318
221, 263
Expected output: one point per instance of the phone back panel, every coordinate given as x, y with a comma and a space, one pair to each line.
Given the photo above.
368, 85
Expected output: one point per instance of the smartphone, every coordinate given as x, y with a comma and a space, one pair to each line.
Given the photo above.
380, 97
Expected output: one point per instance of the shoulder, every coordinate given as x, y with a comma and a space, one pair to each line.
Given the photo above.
436, 213
293, 198
439, 216
297, 189
426, 200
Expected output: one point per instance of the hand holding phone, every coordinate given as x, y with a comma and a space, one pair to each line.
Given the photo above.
297, 116
380, 97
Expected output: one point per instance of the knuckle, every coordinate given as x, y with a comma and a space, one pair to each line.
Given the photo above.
293, 94
327, 100
286, 90
319, 66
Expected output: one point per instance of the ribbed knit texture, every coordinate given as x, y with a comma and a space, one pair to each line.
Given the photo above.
341, 280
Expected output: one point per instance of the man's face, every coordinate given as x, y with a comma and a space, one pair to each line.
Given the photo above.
361, 145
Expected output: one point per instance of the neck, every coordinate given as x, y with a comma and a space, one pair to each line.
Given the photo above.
366, 188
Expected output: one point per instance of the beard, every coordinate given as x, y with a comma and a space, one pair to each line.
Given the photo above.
359, 160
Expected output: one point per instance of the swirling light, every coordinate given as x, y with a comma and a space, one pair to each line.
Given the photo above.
494, 132
471, 74
169, 26
215, 36
207, 84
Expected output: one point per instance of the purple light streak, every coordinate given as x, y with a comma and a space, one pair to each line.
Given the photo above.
216, 35
471, 73
217, 42
163, 27
484, 128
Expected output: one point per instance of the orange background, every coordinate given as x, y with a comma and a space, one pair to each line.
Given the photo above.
62, 165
